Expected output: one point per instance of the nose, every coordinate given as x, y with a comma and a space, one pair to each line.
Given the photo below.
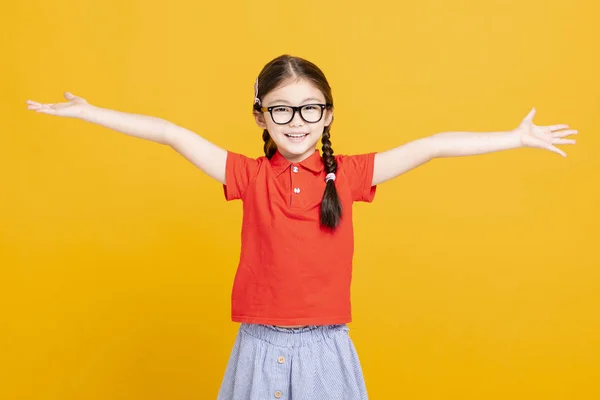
297, 120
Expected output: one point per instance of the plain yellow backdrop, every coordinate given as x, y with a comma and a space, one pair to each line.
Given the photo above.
474, 277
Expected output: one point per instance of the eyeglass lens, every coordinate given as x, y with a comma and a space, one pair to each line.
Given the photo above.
283, 114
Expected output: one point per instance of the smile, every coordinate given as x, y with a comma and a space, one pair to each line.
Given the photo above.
296, 135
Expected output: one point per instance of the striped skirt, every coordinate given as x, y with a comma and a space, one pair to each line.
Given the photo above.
316, 362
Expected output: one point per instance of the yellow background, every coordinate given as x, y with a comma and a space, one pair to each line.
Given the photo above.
474, 278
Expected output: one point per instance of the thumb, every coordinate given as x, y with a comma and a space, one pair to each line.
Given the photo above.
69, 96
530, 116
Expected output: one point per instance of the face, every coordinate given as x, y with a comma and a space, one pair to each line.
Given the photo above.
294, 93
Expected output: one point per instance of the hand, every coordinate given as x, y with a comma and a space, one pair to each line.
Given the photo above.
74, 108
543, 137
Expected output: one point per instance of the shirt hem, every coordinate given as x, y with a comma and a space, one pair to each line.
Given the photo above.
293, 321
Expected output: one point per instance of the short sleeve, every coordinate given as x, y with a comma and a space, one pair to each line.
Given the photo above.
358, 170
239, 173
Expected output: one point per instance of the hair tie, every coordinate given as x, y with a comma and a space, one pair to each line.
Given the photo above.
256, 99
330, 177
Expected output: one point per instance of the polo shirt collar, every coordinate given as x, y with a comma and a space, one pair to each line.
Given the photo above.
313, 163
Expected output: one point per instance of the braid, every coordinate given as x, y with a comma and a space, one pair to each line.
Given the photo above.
270, 147
331, 207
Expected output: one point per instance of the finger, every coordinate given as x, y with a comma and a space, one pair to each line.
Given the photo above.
50, 111
47, 108
556, 150
69, 96
43, 107
530, 116
565, 133
558, 127
563, 141
542, 144
33, 102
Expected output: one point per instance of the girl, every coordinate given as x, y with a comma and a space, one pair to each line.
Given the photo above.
291, 298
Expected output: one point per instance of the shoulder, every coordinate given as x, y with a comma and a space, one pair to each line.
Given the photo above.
358, 170
240, 172
236, 158
355, 160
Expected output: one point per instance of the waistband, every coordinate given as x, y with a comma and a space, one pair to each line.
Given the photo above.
292, 337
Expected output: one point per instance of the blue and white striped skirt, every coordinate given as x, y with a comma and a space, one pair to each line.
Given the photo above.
316, 362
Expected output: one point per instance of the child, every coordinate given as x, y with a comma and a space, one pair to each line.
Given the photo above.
292, 299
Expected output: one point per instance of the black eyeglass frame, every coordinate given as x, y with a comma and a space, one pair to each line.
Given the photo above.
294, 110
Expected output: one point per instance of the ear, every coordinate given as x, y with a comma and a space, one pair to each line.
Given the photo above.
328, 116
260, 119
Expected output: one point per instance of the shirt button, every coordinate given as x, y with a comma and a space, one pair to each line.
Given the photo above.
296, 190
277, 394
295, 169
280, 360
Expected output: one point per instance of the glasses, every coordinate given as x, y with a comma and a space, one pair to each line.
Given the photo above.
310, 113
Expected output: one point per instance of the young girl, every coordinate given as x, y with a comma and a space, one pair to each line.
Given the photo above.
292, 299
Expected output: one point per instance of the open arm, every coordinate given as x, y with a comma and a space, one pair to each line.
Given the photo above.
394, 162
205, 155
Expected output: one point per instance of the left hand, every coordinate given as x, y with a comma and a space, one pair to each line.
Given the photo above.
543, 137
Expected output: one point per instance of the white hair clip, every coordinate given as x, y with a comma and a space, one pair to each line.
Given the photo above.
256, 99
330, 176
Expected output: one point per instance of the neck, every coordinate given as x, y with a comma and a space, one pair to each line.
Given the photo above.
297, 158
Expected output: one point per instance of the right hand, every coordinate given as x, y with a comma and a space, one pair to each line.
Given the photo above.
74, 108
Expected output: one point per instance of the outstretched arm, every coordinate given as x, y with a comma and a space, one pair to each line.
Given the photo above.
205, 155
394, 162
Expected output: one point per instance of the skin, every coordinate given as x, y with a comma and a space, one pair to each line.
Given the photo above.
295, 93
388, 164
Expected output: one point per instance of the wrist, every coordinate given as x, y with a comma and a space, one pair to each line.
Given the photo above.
515, 138
86, 112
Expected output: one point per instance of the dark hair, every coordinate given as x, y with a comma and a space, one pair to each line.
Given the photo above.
272, 75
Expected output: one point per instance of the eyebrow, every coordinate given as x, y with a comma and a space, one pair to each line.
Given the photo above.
285, 101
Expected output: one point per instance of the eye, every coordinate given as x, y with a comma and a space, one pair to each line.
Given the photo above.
280, 109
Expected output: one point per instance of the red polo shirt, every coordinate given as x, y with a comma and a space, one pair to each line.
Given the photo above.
292, 271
